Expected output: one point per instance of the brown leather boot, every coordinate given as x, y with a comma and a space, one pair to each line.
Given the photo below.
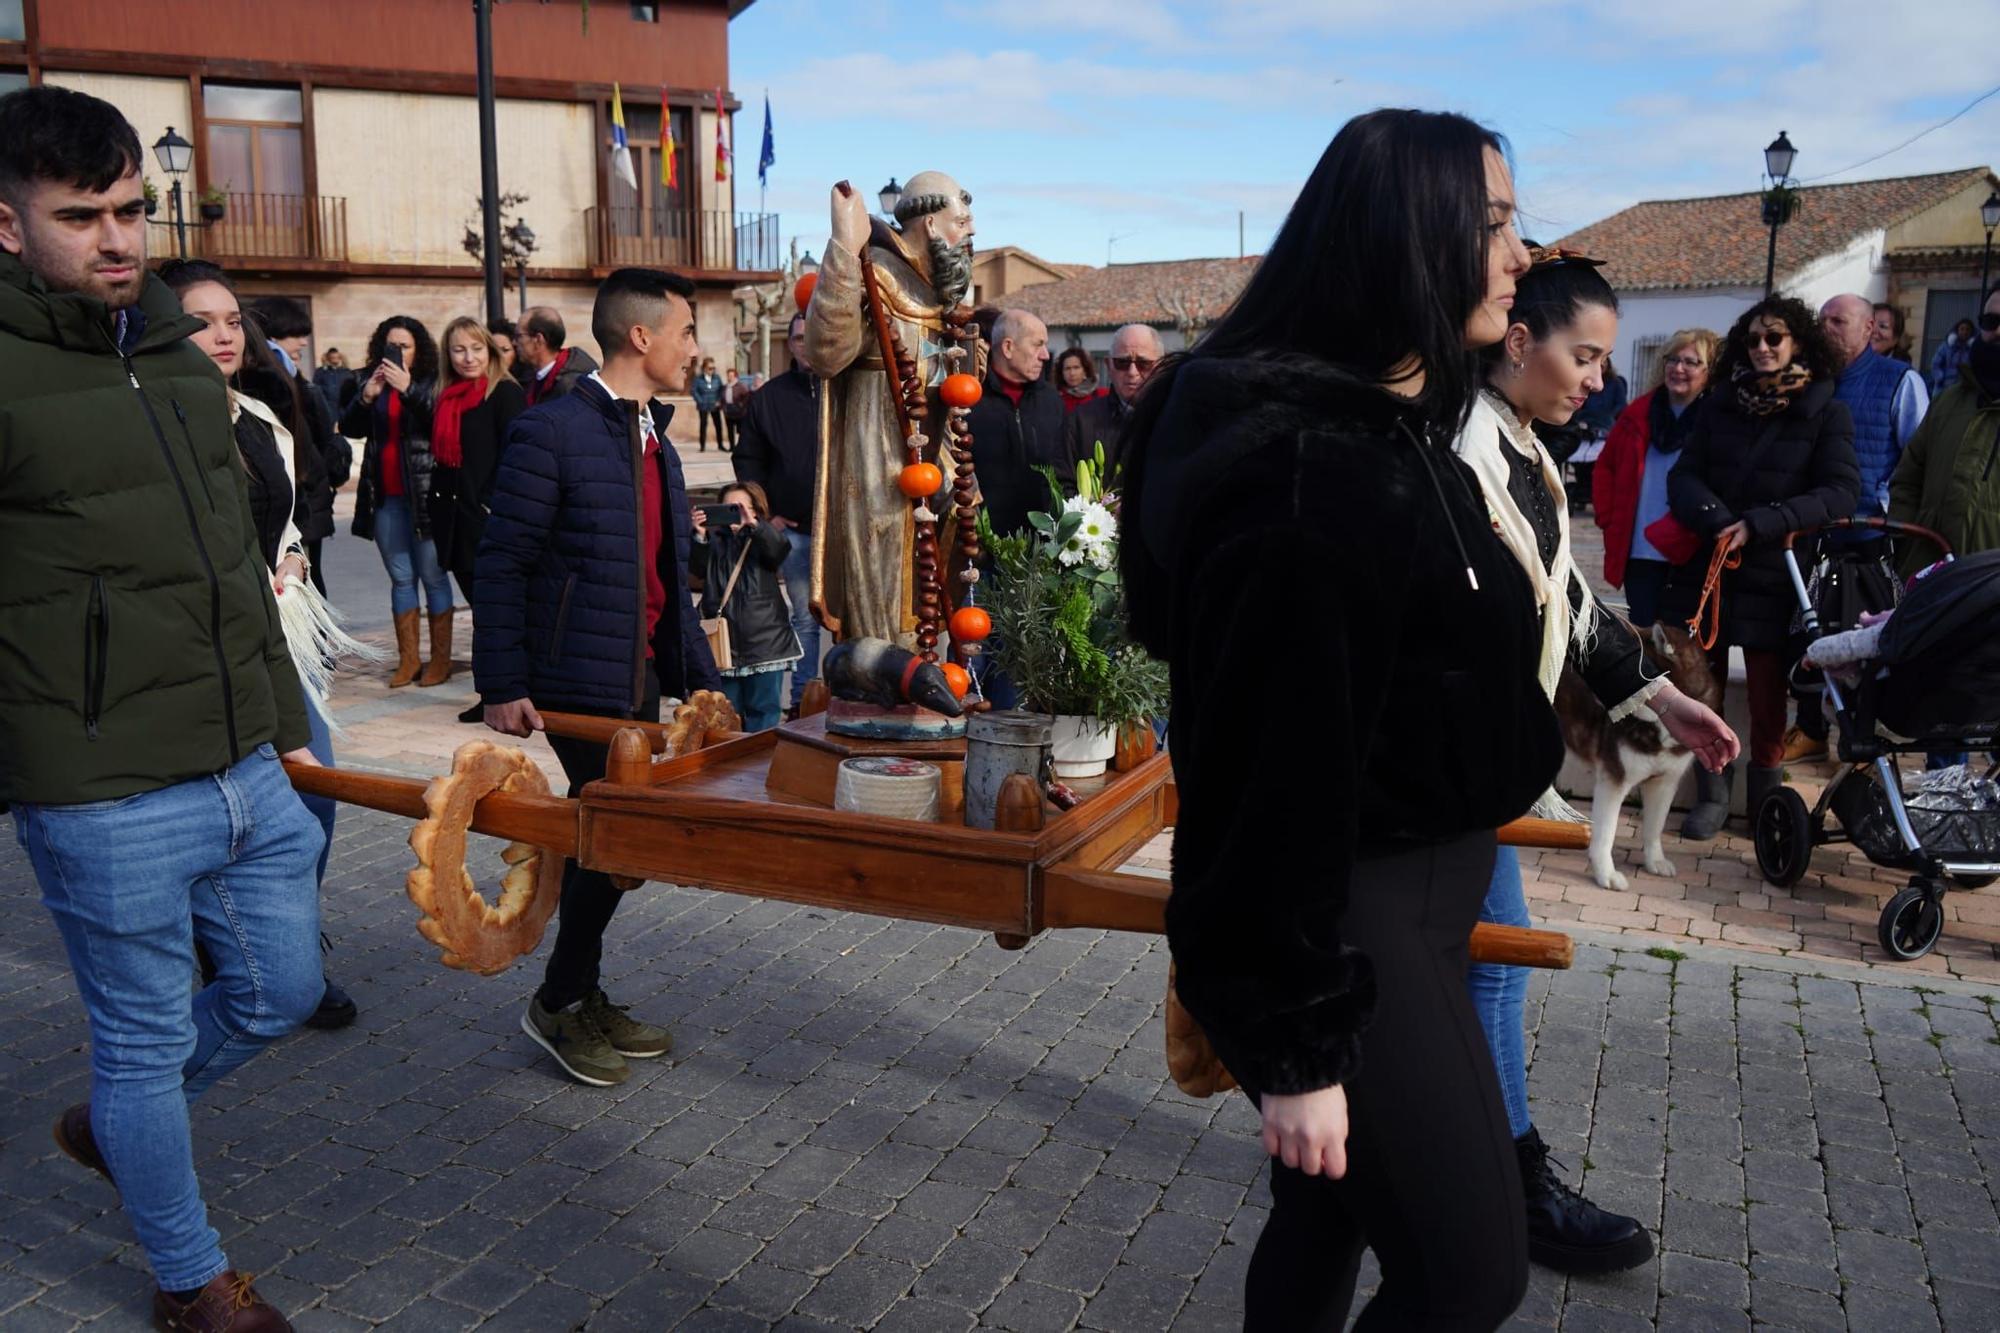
438, 670
229, 1304
408, 662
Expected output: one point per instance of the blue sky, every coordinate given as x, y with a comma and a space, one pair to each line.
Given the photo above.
1153, 121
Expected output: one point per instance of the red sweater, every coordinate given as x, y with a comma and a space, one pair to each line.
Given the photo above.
1614, 484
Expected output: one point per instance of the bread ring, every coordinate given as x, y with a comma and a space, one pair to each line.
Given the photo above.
474, 934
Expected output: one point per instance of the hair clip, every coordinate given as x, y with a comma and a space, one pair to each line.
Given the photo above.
1547, 256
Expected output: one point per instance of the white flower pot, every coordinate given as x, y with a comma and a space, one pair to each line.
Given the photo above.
1083, 746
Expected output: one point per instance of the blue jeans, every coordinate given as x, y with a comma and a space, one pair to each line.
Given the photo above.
797, 574
409, 559
755, 698
1500, 992
131, 884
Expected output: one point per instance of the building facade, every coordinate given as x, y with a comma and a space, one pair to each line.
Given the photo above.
1912, 241
341, 144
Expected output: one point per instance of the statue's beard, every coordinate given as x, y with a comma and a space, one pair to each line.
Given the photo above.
951, 271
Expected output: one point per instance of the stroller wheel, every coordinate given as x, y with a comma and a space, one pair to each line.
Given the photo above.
1911, 923
1782, 831
1975, 881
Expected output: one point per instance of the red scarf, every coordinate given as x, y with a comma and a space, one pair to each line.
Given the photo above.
452, 405
541, 384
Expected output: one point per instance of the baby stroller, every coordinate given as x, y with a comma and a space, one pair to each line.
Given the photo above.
1934, 686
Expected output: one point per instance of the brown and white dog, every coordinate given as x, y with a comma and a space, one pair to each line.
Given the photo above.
1634, 751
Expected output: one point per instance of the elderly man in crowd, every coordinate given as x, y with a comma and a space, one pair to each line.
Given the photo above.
552, 369
1135, 351
1018, 426
1887, 400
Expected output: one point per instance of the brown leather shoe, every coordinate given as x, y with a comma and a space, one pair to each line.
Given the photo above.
408, 661
79, 1142
438, 670
227, 1305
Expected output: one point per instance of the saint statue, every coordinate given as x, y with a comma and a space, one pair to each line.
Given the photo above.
863, 584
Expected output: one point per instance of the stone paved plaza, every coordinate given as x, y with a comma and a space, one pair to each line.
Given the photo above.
872, 1124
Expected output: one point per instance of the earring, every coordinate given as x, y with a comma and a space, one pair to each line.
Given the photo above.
1516, 369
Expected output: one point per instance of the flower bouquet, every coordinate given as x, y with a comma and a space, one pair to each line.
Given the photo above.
1058, 612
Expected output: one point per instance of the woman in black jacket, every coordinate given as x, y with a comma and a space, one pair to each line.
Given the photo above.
393, 410
1772, 452
740, 584
479, 402
1332, 856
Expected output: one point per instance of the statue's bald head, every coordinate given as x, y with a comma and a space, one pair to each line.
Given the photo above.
934, 204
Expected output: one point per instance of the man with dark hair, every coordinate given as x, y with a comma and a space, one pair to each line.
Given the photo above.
146, 787
779, 450
287, 326
552, 369
583, 606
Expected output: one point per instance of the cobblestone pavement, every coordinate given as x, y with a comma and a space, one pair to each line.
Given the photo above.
871, 1124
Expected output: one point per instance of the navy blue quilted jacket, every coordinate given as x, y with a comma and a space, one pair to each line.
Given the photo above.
561, 593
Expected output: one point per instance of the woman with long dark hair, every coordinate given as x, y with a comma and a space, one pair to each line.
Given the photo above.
1551, 363
1332, 855
1772, 452
1076, 378
393, 410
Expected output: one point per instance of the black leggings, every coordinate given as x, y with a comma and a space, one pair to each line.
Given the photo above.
589, 898
1432, 1181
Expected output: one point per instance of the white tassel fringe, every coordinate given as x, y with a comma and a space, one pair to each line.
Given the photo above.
318, 643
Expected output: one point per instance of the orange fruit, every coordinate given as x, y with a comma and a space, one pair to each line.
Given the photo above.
919, 480
957, 677
969, 624
960, 390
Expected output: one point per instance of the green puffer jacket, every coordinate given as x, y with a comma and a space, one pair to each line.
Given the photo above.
139, 642
1949, 479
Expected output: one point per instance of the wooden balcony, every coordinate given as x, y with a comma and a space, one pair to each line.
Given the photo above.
278, 227
714, 240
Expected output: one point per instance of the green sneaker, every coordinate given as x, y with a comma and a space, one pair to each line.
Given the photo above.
577, 1042
628, 1036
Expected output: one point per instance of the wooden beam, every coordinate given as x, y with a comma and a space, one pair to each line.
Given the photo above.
544, 821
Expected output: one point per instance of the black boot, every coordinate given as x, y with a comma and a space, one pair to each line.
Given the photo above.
1568, 1232
336, 1009
476, 713
1711, 803
1757, 784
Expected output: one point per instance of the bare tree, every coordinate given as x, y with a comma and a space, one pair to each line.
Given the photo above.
1189, 313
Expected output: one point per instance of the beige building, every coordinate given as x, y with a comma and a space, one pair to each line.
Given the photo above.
352, 186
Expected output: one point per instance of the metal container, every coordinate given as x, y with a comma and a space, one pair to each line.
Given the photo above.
998, 745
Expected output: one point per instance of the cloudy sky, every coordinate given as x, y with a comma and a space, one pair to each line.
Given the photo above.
1154, 122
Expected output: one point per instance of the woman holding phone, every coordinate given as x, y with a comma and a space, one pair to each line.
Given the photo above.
1331, 860
393, 410
740, 585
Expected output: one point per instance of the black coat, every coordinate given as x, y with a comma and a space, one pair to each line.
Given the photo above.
317, 448
1009, 443
760, 621
778, 446
1418, 716
460, 495
1777, 474
1099, 421
562, 590
364, 418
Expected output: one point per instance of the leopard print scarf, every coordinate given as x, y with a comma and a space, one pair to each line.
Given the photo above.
1767, 395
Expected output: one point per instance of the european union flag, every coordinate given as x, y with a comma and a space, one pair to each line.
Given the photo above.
769, 157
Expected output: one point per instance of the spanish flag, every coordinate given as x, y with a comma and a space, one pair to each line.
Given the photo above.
621, 152
721, 144
670, 171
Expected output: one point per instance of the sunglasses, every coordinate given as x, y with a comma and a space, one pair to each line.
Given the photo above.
1990, 321
1133, 363
1771, 338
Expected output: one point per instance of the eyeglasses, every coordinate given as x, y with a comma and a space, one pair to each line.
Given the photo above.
1145, 363
1686, 362
1990, 321
1771, 338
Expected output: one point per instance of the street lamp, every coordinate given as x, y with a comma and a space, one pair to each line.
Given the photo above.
1989, 213
891, 195
176, 156
1779, 201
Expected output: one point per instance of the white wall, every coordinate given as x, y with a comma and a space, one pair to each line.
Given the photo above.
1648, 315
1859, 269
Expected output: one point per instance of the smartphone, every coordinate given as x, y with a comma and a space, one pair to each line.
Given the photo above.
722, 516
393, 352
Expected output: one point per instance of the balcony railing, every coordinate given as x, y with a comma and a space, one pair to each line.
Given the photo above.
677, 239
278, 226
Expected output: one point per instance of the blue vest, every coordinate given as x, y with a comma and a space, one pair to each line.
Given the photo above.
1868, 387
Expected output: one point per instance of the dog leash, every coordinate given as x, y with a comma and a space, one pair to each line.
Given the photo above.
1710, 605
